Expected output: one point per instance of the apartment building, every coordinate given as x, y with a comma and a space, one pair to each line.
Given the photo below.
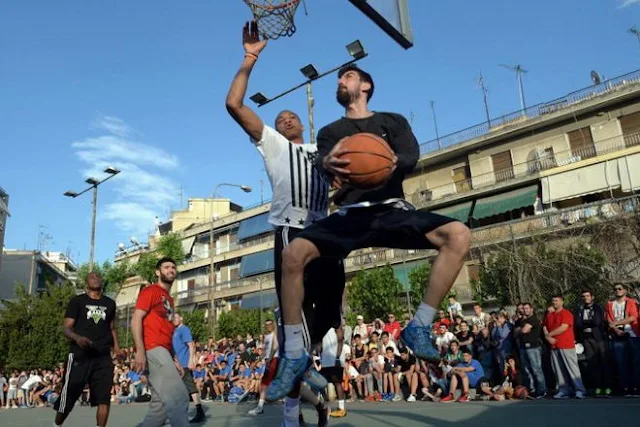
551, 166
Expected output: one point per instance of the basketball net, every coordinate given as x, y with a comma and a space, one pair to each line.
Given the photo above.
274, 17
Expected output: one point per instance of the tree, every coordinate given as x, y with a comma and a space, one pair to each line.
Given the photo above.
374, 293
241, 322
197, 324
113, 275
169, 245
31, 328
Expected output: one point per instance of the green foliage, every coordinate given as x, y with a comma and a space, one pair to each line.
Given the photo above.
125, 338
113, 275
419, 281
241, 322
196, 322
169, 245
31, 328
375, 293
536, 273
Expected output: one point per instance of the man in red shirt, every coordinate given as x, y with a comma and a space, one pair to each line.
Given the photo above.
558, 331
152, 329
393, 327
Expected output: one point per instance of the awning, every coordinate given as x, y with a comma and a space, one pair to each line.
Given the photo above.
260, 262
460, 212
629, 169
269, 300
254, 226
401, 271
579, 182
187, 245
505, 202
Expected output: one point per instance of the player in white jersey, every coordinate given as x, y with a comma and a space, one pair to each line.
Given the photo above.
300, 197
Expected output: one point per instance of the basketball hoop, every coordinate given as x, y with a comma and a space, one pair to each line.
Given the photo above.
274, 17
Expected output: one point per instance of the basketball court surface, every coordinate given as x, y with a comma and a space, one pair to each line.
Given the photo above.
592, 413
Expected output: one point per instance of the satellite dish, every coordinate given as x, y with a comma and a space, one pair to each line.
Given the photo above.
595, 77
121, 247
134, 240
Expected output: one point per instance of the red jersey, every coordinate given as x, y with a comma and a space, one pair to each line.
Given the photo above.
156, 326
565, 340
393, 329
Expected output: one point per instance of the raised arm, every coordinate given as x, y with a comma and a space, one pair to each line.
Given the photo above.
243, 115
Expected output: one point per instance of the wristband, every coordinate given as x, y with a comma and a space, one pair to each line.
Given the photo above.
251, 55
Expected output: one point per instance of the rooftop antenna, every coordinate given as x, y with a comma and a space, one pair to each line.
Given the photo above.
595, 78
435, 122
519, 72
485, 91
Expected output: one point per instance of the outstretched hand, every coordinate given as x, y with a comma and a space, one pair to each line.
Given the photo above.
251, 39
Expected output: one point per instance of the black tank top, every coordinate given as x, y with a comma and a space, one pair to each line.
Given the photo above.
359, 352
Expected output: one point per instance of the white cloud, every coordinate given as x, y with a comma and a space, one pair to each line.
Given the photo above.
144, 187
625, 3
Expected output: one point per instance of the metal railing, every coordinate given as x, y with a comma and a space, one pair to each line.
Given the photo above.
525, 169
205, 289
204, 254
518, 117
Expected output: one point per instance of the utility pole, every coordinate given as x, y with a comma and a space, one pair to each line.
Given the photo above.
92, 243
485, 91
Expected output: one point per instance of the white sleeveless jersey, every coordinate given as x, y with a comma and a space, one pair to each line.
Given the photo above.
300, 192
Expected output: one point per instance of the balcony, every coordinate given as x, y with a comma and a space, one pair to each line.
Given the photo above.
518, 118
203, 292
235, 250
527, 171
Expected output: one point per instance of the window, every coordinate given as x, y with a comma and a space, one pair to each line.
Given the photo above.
462, 179
502, 166
473, 271
234, 273
630, 125
581, 142
191, 284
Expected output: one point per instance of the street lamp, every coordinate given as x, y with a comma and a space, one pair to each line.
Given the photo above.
355, 50
633, 30
94, 183
246, 189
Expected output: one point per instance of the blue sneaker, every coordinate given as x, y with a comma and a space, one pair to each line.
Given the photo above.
314, 379
289, 372
418, 339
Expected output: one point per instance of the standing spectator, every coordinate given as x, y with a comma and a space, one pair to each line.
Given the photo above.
393, 327
442, 319
454, 309
4, 385
501, 335
622, 315
153, 334
185, 353
480, 318
89, 325
333, 357
531, 351
483, 347
465, 337
443, 338
361, 329
558, 331
12, 392
591, 331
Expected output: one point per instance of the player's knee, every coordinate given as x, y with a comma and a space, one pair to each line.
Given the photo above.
458, 237
297, 255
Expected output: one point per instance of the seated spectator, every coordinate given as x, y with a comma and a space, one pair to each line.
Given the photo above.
356, 380
454, 356
455, 326
483, 347
393, 327
124, 395
387, 342
374, 340
470, 374
441, 319
359, 355
406, 369
221, 376
480, 318
438, 385
513, 379
501, 335
375, 372
392, 390
361, 329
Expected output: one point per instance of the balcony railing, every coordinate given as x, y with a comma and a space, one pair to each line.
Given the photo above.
200, 254
518, 117
203, 288
422, 196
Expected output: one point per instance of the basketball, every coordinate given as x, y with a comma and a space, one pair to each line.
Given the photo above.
521, 392
371, 160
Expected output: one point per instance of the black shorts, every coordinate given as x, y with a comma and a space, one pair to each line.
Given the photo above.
333, 374
379, 226
80, 371
187, 379
324, 281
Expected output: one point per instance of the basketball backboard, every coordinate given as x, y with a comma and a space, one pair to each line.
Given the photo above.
392, 16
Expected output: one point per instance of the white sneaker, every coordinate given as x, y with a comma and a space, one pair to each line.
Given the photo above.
411, 398
396, 398
580, 395
256, 411
560, 395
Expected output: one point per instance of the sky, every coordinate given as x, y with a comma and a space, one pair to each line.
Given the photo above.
141, 86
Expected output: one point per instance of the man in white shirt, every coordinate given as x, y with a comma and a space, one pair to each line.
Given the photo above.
361, 329
479, 318
443, 338
300, 197
454, 308
34, 379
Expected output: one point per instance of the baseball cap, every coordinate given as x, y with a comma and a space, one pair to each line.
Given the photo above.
359, 317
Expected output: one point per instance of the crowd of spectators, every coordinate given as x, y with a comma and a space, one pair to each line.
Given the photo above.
528, 352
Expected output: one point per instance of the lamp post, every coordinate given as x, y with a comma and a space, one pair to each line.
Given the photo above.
633, 30
246, 189
355, 50
94, 183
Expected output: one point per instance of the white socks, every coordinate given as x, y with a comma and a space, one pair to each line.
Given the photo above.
293, 342
261, 403
425, 314
341, 404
